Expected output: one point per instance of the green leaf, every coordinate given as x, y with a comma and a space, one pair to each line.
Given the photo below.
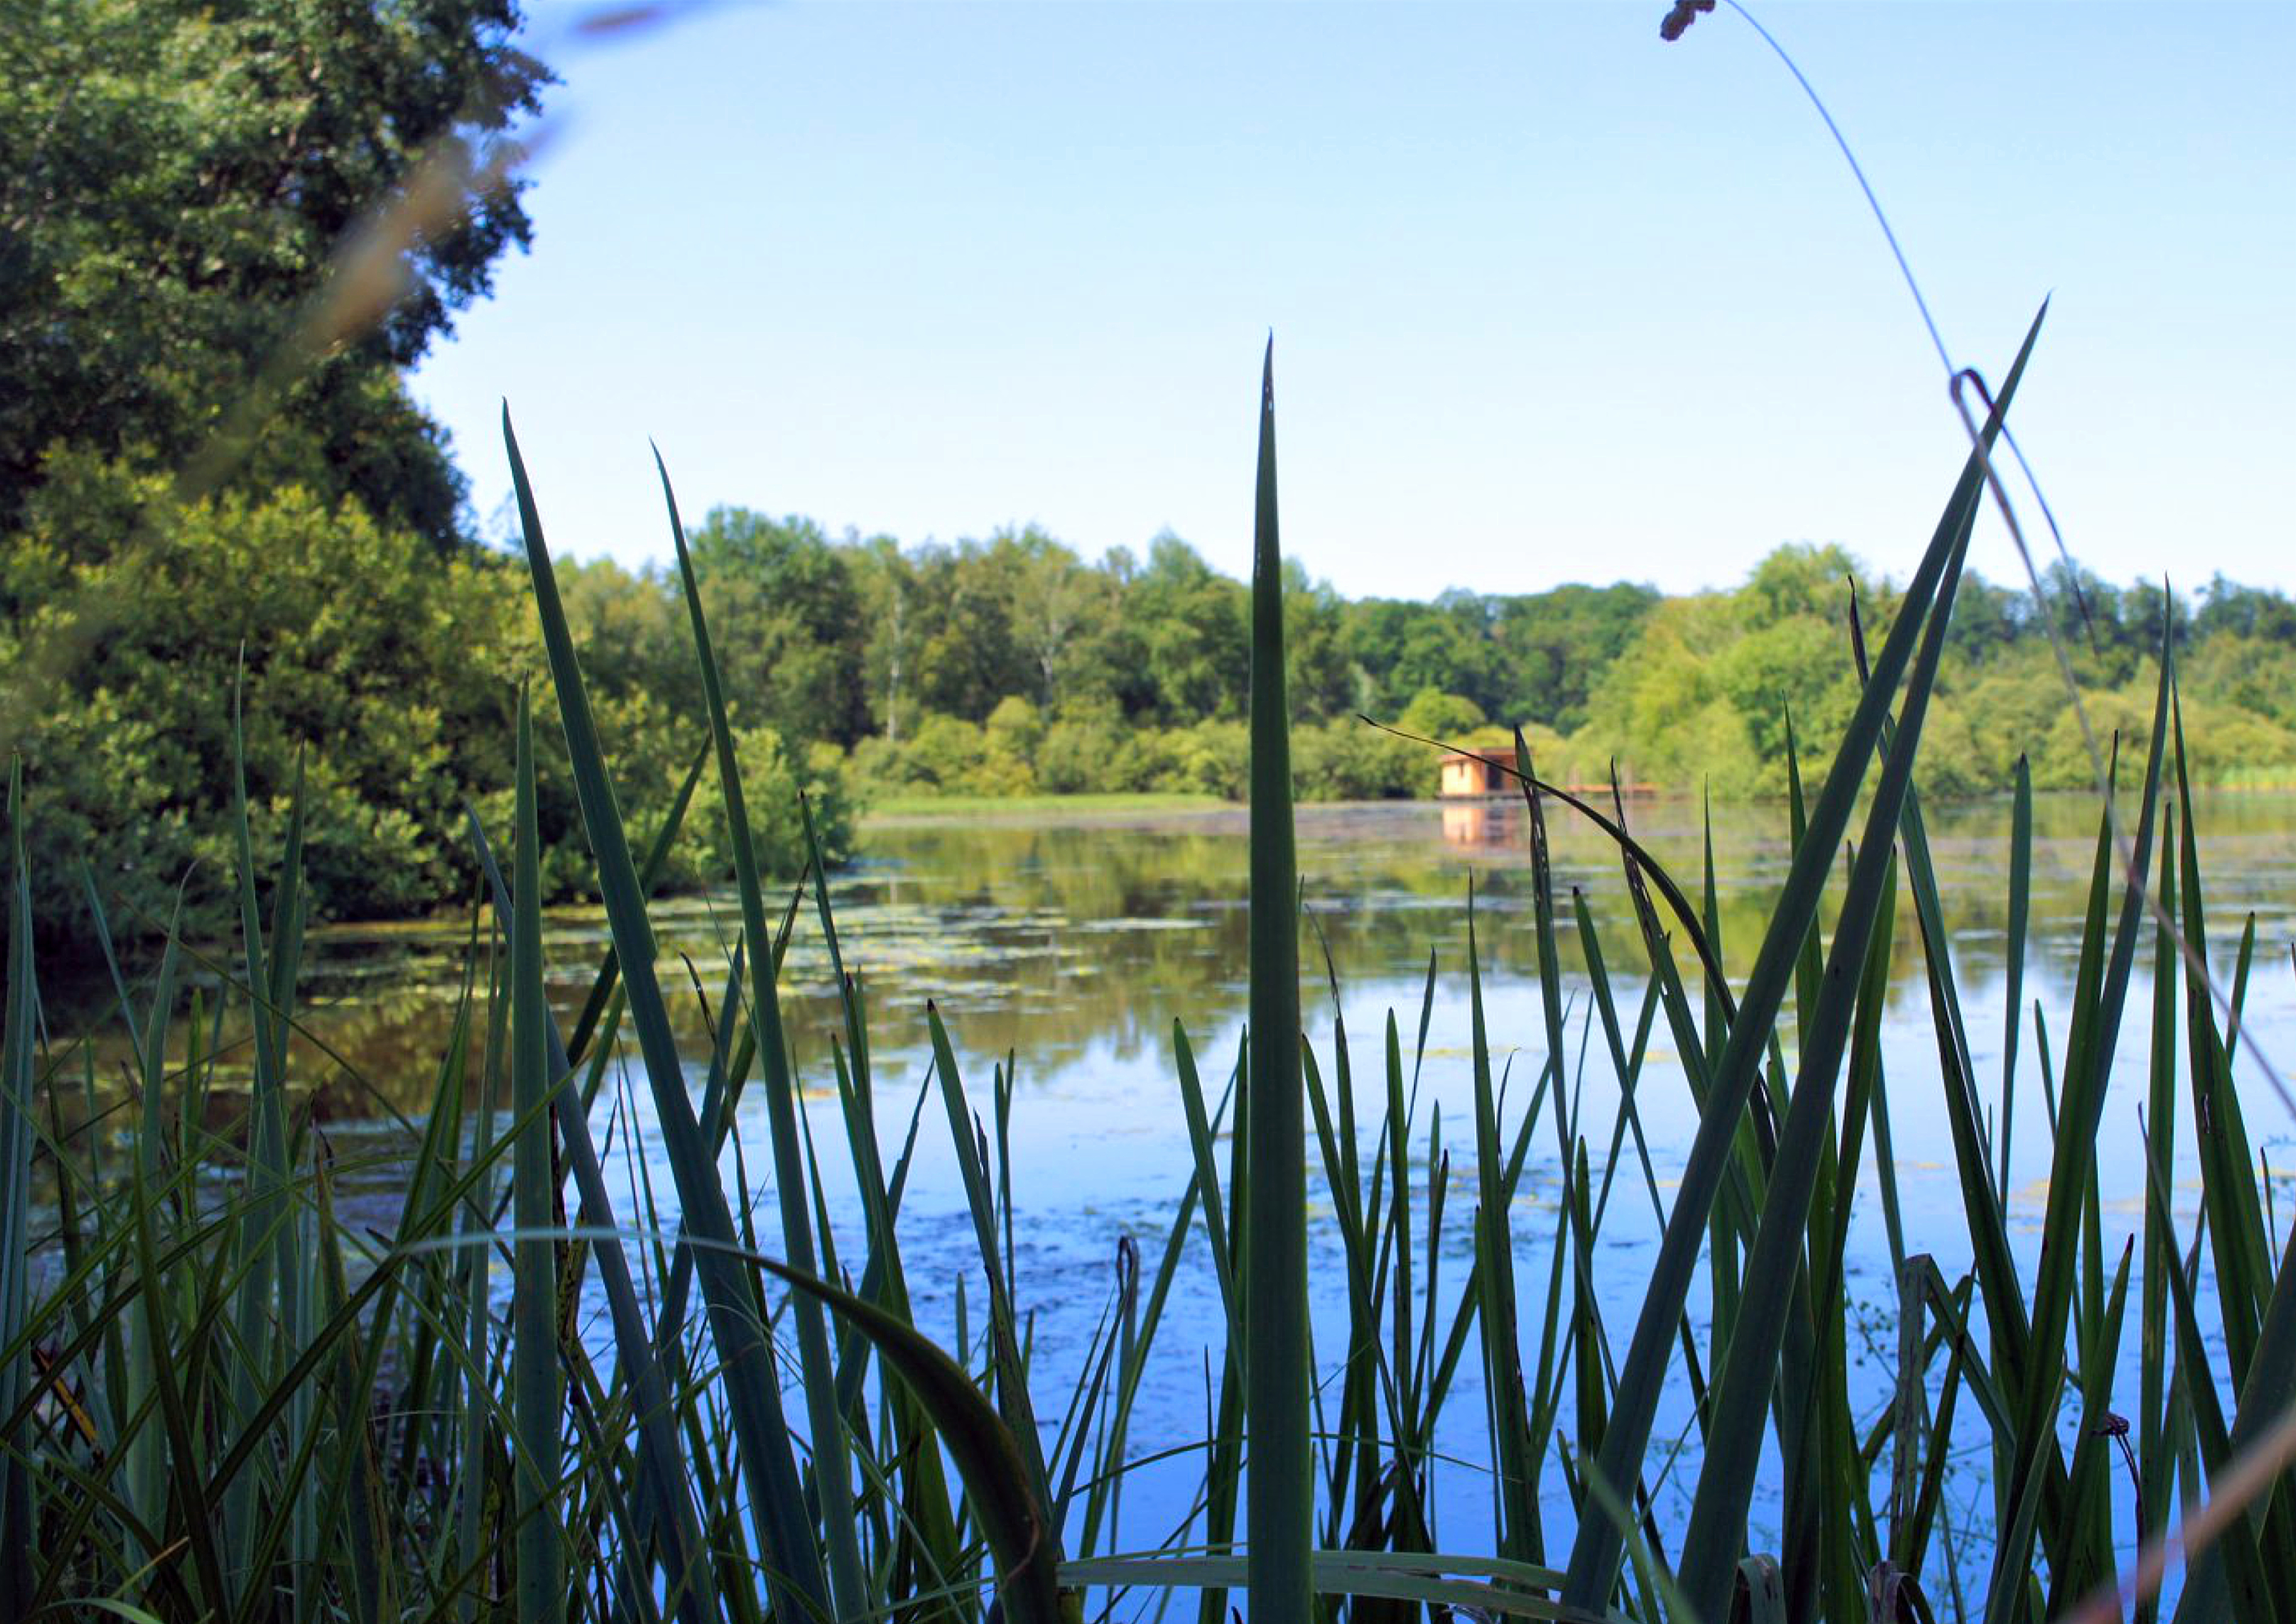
737, 1317
1279, 1521
833, 1477
537, 1390
1595, 1555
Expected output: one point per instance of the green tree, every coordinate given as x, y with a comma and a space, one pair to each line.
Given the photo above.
381, 673
180, 173
1553, 647
887, 585
772, 776
1318, 678
1433, 714
1403, 647
786, 616
1196, 647
968, 656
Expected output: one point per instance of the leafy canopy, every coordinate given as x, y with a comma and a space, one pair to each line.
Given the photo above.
180, 173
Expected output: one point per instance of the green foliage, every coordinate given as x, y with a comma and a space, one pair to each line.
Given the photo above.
1345, 760
792, 661
179, 175
1194, 645
379, 672
773, 776
181, 179
1433, 714
382, 673
1555, 646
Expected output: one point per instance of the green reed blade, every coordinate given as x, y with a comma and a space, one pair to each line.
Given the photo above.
1810, 965
1084, 1402
752, 1388
2257, 1301
2009, 1325
351, 1499
1594, 1556
144, 1481
1835, 1519
1550, 971
666, 1501
1399, 1150
1515, 1506
831, 1474
2021, 889
1961, 1361
1200, 1125
1225, 1424
18, 1530
2095, 1463
650, 873
538, 1393
2228, 1192
267, 1250
2089, 1048
157, 1310
1717, 1520
1278, 1376
1012, 1383
1100, 1503
2234, 1566
471, 1224
2155, 1456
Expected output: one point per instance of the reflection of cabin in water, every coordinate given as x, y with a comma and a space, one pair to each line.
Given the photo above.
1477, 772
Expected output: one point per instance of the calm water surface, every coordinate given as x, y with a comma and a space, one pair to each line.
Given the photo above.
1074, 948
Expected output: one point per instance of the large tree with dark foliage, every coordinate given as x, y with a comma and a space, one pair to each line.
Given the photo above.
178, 175
193, 486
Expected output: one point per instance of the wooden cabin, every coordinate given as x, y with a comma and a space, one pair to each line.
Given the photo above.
1479, 775
1477, 772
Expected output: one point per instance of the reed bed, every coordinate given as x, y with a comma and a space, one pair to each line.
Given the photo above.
517, 1399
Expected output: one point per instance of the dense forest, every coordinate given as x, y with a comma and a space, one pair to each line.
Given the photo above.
1012, 666
182, 174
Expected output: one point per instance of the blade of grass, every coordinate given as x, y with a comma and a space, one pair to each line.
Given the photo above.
1012, 1520
1279, 1517
1717, 1520
668, 1506
833, 1474
538, 1389
1595, 1555
2089, 1060
19, 1532
746, 1363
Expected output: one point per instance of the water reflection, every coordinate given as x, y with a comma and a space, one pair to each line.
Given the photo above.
1477, 824
1055, 941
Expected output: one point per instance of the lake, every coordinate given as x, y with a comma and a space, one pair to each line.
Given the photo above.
1073, 947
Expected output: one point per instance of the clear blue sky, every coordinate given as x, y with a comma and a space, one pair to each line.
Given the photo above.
1551, 300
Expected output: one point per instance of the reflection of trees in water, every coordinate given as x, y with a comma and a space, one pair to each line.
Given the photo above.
1054, 942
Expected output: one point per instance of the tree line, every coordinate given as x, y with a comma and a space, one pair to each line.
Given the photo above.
1013, 666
